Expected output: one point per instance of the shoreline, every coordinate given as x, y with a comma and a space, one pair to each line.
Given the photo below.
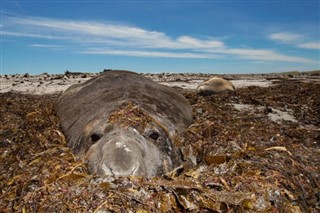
56, 83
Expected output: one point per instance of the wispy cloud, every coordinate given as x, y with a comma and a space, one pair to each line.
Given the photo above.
285, 37
294, 39
113, 34
49, 47
118, 39
150, 53
31, 35
263, 55
268, 55
310, 45
45, 45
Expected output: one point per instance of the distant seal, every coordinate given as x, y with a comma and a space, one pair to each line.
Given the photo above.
122, 123
215, 85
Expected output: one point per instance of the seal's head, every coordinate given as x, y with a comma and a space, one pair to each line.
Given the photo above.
125, 152
131, 143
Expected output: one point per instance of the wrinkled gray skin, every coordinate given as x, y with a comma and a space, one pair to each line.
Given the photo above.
84, 111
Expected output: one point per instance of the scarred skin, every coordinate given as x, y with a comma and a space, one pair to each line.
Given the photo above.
121, 123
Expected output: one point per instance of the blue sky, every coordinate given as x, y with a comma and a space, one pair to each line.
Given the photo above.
252, 36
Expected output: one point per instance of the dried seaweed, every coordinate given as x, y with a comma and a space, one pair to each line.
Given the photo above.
241, 161
129, 114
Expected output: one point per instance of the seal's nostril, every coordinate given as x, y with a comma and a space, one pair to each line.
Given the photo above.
154, 135
95, 137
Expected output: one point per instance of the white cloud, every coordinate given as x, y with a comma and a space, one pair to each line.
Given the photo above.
90, 28
285, 37
310, 45
119, 39
31, 35
264, 55
150, 53
267, 55
45, 45
94, 32
294, 39
196, 43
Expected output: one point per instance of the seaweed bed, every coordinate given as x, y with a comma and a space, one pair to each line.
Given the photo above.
245, 162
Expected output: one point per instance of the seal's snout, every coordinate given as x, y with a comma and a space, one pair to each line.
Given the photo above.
123, 158
121, 170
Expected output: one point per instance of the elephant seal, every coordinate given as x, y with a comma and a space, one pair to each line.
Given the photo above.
122, 123
215, 85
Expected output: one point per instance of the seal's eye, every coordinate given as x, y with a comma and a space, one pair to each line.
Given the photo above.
154, 135
95, 137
